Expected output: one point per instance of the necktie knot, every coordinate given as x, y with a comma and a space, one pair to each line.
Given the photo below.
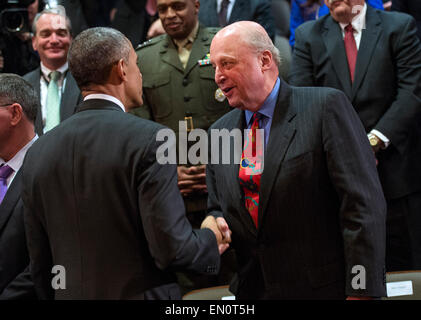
5, 172
222, 16
55, 75
349, 28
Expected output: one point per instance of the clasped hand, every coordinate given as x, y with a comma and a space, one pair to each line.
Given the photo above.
221, 230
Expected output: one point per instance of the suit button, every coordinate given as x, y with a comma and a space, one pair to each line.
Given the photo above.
187, 99
185, 82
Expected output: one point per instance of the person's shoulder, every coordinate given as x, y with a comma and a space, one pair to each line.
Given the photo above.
394, 18
150, 44
228, 120
313, 25
32, 74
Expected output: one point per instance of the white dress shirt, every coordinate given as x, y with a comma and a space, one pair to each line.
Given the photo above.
105, 97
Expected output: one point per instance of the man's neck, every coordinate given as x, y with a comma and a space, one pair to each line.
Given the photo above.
17, 142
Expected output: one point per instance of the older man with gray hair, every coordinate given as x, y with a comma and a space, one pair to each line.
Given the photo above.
312, 218
98, 204
18, 107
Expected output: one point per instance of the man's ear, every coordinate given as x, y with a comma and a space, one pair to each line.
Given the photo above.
34, 43
266, 60
17, 113
121, 70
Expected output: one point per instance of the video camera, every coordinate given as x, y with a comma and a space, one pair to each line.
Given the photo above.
14, 16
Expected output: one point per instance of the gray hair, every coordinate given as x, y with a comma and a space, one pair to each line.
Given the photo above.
57, 11
94, 52
14, 89
262, 42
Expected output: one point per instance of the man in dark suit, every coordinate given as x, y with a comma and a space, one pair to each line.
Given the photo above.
18, 107
311, 213
98, 203
374, 57
259, 11
57, 89
412, 7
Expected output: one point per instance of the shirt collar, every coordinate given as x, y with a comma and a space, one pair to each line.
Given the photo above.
191, 37
16, 162
46, 72
105, 97
358, 23
268, 106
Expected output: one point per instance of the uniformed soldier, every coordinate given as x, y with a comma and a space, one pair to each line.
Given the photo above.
178, 85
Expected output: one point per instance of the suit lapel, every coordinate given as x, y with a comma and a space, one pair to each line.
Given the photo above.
370, 36
281, 134
69, 100
169, 54
10, 200
335, 47
199, 49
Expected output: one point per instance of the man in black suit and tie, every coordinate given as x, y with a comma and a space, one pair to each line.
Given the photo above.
312, 213
57, 89
18, 107
374, 57
98, 203
219, 13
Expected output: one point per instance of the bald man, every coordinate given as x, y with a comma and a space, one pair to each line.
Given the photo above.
308, 217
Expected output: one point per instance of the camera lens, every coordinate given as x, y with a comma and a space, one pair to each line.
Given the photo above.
13, 21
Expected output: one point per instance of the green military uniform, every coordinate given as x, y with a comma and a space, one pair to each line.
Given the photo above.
170, 91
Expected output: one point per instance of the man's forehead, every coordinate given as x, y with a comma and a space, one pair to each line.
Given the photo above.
52, 21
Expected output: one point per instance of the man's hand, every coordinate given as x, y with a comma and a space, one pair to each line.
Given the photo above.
155, 29
192, 179
220, 229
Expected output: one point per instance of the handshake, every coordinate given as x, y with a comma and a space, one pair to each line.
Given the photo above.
221, 230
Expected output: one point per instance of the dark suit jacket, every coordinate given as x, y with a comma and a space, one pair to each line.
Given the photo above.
15, 280
70, 98
259, 11
104, 209
412, 7
386, 92
321, 208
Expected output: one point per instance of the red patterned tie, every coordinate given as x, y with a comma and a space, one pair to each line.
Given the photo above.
251, 170
351, 49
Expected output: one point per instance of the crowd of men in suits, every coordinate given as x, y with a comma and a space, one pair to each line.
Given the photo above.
341, 181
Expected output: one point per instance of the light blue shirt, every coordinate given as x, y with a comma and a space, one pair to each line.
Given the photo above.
266, 110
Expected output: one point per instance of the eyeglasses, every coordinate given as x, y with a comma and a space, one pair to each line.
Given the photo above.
6, 105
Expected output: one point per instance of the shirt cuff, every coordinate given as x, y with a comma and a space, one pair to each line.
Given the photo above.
382, 137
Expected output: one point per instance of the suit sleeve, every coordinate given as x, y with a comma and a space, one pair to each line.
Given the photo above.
171, 239
351, 166
37, 239
21, 288
301, 70
399, 119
